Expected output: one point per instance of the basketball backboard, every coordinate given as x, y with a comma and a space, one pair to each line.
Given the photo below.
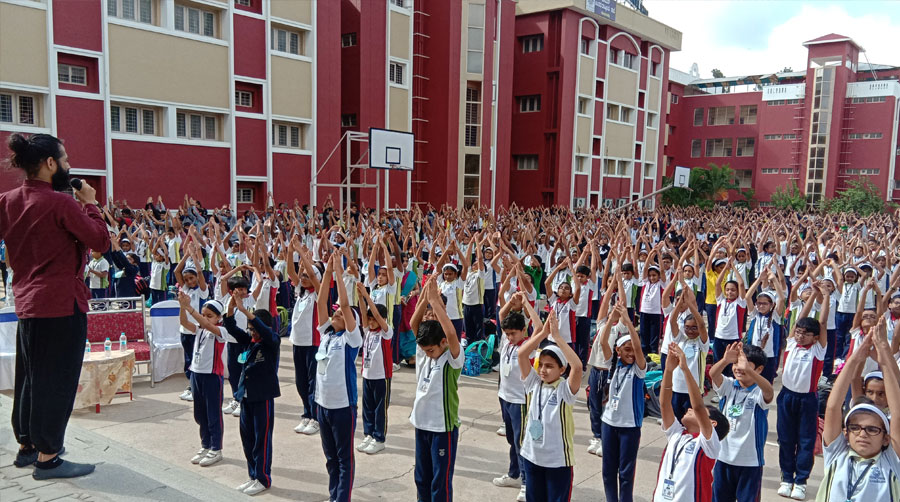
391, 149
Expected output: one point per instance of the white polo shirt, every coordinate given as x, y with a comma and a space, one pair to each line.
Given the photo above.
695, 351
336, 368
880, 483
730, 318
802, 366
625, 407
550, 429
305, 319
685, 471
760, 326
208, 348
747, 414
588, 293
512, 387
196, 295
374, 363
453, 291
849, 299
651, 293
565, 312
473, 288
436, 407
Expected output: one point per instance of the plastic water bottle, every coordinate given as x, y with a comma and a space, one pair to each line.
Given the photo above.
123, 342
107, 348
87, 350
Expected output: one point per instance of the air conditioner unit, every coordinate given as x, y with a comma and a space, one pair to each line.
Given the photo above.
608, 203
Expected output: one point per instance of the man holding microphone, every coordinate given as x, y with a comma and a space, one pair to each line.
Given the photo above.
47, 235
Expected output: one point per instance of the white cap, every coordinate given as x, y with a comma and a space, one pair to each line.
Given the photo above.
870, 409
559, 353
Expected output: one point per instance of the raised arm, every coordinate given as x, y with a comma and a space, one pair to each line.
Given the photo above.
322, 299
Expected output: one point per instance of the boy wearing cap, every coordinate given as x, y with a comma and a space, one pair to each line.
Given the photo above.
862, 451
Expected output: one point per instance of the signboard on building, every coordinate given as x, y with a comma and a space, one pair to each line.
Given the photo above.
603, 8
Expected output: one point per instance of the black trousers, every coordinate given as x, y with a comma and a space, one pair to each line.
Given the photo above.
49, 353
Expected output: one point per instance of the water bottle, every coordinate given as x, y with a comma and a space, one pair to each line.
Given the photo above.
123, 342
87, 350
107, 348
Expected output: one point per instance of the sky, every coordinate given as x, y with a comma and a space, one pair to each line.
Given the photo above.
746, 37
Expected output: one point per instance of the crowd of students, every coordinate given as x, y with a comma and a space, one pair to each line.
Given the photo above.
720, 300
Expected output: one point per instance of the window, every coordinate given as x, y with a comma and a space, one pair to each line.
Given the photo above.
649, 170
654, 69
17, 109
674, 99
133, 10
621, 58
397, 73
472, 180
770, 170
527, 162
615, 167
612, 112
628, 60
789, 136
199, 21
197, 126
772, 136
871, 99
473, 114
399, 3
243, 98
586, 46
626, 115
581, 164
652, 120
718, 147
698, 117
788, 170
584, 106
745, 147
288, 42
245, 195
532, 43
243, 3
71, 74
475, 55
695, 148
748, 114
530, 103
348, 39
721, 115
348, 120
781, 102
132, 119
744, 178
289, 135
866, 135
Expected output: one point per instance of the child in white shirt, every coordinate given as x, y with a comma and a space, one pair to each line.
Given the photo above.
377, 372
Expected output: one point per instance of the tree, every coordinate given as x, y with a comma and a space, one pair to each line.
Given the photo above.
717, 73
789, 197
707, 186
786, 69
861, 197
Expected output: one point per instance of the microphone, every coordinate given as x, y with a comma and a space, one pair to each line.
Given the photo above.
76, 183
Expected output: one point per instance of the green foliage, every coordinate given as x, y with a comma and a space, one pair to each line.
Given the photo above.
717, 73
748, 198
861, 197
707, 185
789, 197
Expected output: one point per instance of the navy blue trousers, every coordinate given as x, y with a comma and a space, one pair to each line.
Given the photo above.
582, 339
651, 327
257, 422
596, 380
234, 367
770, 371
336, 428
548, 484
473, 316
828, 366
620, 449
460, 326
187, 343
681, 401
490, 304
157, 295
514, 418
376, 399
207, 389
733, 483
711, 323
395, 340
305, 378
842, 322
719, 346
435, 460
797, 425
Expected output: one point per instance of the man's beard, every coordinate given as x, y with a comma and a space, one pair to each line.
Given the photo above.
60, 180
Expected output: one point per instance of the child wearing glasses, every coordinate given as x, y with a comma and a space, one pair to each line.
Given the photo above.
798, 400
861, 450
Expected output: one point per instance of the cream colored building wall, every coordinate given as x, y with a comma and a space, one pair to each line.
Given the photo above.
400, 27
653, 94
399, 113
150, 65
621, 85
291, 87
583, 135
23, 45
293, 10
586, 78
619, 141
650, 142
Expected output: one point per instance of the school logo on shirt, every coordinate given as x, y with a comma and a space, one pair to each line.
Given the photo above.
689, 449
552, 401
876, 476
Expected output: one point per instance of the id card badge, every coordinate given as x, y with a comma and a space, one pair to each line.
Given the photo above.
613, 403
505, 368
426, 382
322, 366
668, 491
536, 430
242, 358
736, 410
690, 351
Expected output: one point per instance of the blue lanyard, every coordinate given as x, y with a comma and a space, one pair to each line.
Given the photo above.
851, 486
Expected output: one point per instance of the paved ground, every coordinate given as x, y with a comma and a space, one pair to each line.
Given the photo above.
144, 447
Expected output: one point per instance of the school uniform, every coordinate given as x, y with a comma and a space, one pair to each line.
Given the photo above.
377, 370
305, 341
686, 467
583, 320
843, 318
632, 294
513, 405
856, 338
234, 347
548, 446
850, 477
565, 312
473, 310
695, 351
336, 398
598, 378
651, 316
798, 408
207, 372
730, 315
256, 390
738, 472
491, 286
453, 292
435, 416
710, 277
768, 327
198, 298
158, 272
623, 416
98, 285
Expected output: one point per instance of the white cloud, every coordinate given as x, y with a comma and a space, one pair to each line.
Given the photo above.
784, 44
